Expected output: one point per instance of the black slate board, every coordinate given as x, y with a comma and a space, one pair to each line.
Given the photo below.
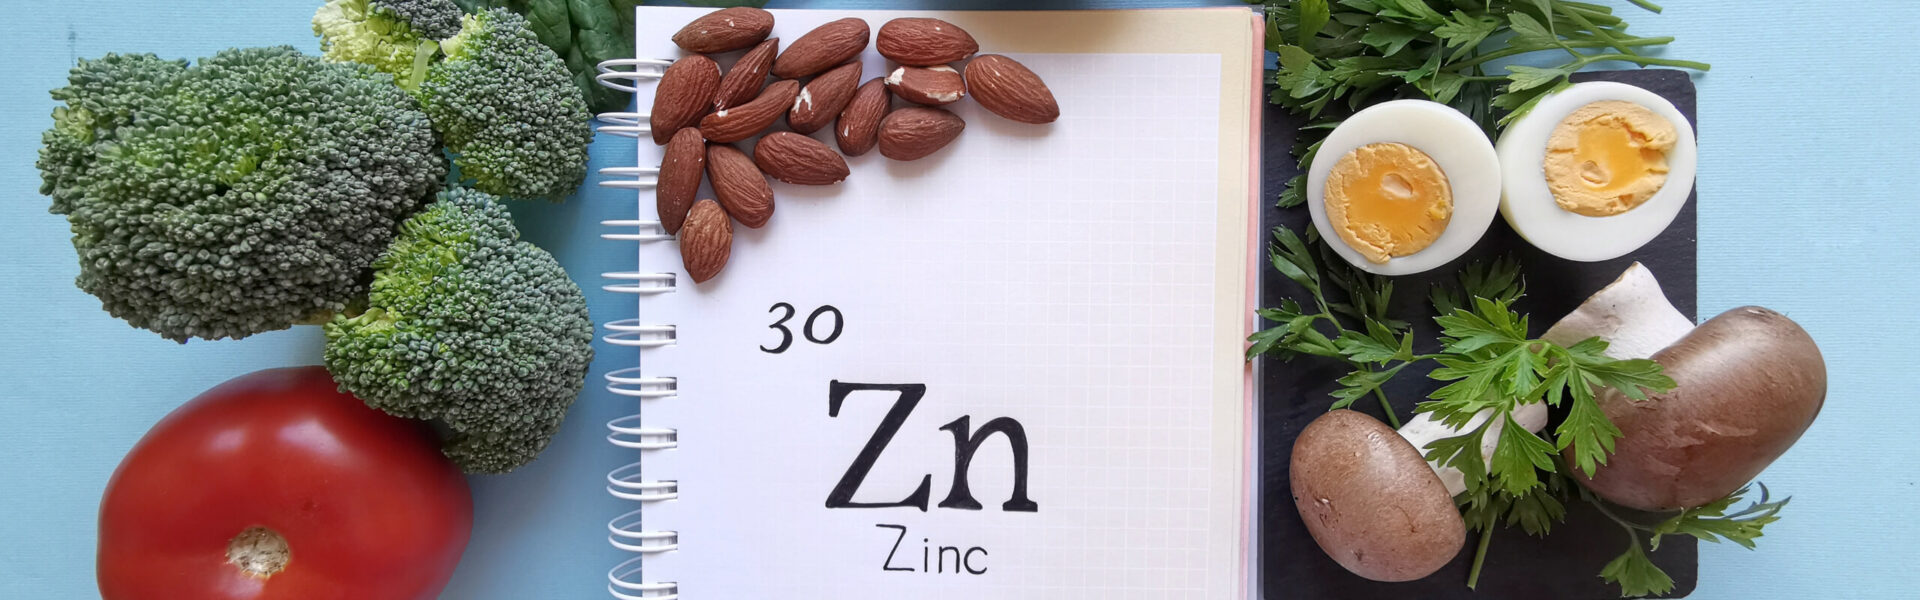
1564, 565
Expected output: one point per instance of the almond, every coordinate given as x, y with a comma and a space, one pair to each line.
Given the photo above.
680, 177
1009, 89
924, 42
741, 188
724, 30
685, 93
932, 86
706, 241
823, 48
859, 126
821, 100
748, 75
914, 132
795, 158
746, 120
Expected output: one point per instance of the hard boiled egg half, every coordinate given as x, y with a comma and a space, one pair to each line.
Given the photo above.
1596, 170
1404, 186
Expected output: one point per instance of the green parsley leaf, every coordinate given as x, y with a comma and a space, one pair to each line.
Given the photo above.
1389, 38
1522, 77
1528, 31
1636, 574
1519, 103
1711, 523
1362, 382
1295, 193
1293, 58
1313, 15
1519, 457
1463, 33
1461, 452
1538, 510
1499, 281
1291, 257
1363, 51
1442, 87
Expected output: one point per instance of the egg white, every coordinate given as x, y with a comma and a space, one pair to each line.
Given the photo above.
1528, 204
1455, 143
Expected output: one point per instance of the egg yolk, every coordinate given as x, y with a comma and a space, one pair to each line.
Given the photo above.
1388, 200
1608, 157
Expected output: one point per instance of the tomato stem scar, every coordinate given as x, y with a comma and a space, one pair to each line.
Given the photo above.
259, 552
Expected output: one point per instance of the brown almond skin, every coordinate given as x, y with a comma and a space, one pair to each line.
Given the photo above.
1009, 89
858, 127
1748, 383
680, 171
914, 132
747, 120
1370, 501
795, 158
923, 42
748, 76
707, 240
821, 100
739, 185
826, 47
725, 30
684, 94
932, 86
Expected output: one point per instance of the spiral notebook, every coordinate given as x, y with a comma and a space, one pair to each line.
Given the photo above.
1008, 370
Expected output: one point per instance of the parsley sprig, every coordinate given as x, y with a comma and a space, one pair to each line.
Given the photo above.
1636, 574
1377, 343
1343, 53
1488, 361
1336, 56
1489, 365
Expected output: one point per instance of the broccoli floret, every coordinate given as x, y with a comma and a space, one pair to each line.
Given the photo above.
244, 194
471, 328
436, 19
398, 37
508, 110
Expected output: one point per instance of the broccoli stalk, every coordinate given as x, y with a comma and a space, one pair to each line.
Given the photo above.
471, 328
248, 193
398, 37
504, 104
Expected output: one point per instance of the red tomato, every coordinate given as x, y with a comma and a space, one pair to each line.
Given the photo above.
366, 505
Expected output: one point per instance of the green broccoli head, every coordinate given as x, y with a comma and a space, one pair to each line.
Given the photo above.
398, 37
508, 110
469, 327
436, 19
244, 194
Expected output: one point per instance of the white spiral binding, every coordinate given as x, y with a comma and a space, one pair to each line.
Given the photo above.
625, 581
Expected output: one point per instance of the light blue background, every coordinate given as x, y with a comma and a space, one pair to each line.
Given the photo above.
1809, 152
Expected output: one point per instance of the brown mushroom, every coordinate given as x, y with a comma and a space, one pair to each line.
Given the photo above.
1747, 384
1370, 500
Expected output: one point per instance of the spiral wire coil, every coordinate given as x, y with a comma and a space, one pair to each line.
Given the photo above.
625, 532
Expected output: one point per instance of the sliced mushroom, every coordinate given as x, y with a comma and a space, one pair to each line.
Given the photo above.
1747, 384
1370, 500
1631, 314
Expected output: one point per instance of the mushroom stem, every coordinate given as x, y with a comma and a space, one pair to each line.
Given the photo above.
1424, 429
1631, 314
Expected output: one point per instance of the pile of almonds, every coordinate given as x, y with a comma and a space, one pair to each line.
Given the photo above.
699, 113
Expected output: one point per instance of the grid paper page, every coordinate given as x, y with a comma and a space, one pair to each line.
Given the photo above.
1060, 276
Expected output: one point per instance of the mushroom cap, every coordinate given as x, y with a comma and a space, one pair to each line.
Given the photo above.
1747, 384
1370, 501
